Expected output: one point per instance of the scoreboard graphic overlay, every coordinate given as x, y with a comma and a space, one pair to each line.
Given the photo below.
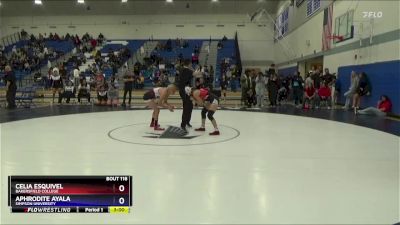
70, 194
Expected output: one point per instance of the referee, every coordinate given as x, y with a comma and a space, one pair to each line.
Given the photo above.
10, 80
185, 78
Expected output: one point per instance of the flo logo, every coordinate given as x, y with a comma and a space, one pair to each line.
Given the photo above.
372, 14
172, 133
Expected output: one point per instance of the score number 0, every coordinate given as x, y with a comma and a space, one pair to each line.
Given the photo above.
121, 200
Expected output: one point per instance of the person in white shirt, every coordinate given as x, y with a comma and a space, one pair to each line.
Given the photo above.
48, 64
83, 91
56, 82
68, 92
76, 74
113, 92
46, 51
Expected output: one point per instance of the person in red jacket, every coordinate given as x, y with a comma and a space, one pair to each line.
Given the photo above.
384, 106
324, 94
309, 94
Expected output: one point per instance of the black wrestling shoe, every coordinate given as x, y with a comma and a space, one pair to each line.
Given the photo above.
189, 125
184, 128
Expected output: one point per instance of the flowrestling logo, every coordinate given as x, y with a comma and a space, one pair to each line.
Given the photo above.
377, 14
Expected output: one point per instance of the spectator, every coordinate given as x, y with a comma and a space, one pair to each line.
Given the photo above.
337, 90
273, 88
316, 77
252, 96
383, 108
220, 45
354, 81
328, 78
83, 91
76, 75
245, 83
260, 89
309, 94
102, 97
271, 70
198, 76
68, 92
11, 87
113, 92
56, 82
364, 89
224, 86
195, 59
324, 95
24, 35
128, 79
297, 86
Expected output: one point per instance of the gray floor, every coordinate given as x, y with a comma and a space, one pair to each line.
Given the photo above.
264, 168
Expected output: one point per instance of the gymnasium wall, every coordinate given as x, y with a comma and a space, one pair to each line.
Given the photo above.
384, 78
256, 43
288, 70
311, 30
378, 57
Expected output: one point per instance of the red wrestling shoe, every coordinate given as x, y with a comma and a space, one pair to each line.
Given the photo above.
215, 133
158, 128
202, 129
152, 124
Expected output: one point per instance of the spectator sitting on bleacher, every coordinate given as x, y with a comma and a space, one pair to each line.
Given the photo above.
56, 37
324, 95
220, 45
68, 92
24, 34
141, 81
309, 94
102, 96
83, 91
195, 58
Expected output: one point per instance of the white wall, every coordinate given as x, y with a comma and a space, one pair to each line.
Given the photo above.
312, 31
377, 53
255, 42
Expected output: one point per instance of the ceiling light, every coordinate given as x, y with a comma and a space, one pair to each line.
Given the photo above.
81, 1
124, 1
169, 1
214, 0
38, 2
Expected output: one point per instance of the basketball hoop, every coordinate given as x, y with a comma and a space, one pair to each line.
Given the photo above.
336, 37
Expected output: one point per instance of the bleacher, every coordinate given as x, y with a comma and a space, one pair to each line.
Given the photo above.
228, 51
171, 56
19, 44
60, 46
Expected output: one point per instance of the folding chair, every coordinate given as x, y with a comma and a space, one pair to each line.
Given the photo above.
25, 97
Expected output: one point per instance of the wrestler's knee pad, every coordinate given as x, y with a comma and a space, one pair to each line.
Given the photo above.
210, 115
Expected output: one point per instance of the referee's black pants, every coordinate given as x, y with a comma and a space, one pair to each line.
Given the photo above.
187, 108
10, 96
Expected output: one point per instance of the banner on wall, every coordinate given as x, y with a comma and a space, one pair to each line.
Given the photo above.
327, 28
